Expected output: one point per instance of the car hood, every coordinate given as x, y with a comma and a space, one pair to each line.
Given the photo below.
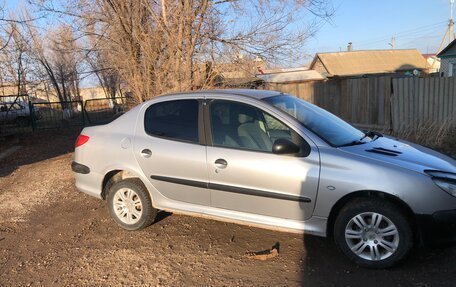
404, 154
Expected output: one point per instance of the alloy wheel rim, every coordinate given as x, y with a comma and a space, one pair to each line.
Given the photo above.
372, 236
127, 206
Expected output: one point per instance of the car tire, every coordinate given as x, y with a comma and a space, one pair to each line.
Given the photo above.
373, 233
130, 205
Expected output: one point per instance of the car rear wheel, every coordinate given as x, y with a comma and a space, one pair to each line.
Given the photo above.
373, 233
130, 205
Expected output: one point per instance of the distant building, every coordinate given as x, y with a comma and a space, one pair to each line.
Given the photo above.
448, 60
43, 92
240, 74
38, 92
433, 63
369, 63
295, 75
237, 74
97, 92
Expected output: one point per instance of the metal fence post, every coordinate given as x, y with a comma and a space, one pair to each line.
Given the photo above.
83, 113
32, 115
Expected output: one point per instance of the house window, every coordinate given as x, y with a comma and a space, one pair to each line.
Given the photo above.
452, 70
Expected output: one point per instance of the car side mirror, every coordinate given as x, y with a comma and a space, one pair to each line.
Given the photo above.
284, 146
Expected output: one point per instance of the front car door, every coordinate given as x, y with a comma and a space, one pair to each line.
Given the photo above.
171, 152
244, 174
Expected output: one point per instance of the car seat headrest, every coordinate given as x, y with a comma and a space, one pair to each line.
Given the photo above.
243, 118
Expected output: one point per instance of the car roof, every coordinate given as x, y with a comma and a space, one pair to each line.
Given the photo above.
257, 94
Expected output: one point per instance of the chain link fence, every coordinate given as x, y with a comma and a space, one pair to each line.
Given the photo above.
15, 114
51, 115
102, 111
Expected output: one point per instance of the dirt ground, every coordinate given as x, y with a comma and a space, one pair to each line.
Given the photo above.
53, 235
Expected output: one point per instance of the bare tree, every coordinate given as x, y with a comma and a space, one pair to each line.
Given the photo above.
15, 62
100, 64
162, 46
65, 59
14, 59
57, 58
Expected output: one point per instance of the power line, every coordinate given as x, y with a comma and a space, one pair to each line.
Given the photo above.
416, 35
409, 31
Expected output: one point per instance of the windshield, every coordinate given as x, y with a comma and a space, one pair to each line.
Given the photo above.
326, 125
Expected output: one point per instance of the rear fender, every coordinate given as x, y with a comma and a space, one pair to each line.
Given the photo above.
124, 173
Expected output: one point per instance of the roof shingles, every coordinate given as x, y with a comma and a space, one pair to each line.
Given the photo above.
371, 62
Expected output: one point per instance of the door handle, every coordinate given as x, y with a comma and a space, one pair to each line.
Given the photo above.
146, 153
221, 163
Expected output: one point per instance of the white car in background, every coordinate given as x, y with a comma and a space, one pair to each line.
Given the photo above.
17, 113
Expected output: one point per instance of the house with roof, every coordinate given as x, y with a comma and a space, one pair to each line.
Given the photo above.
364, 63
231, 75
448, 60
287, 76
433, 63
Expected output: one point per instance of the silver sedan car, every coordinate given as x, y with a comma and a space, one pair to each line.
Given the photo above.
268, 159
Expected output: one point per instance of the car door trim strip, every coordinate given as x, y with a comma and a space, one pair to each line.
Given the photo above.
234, 189
181, 181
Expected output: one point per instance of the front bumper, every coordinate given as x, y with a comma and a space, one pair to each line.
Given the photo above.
438, 228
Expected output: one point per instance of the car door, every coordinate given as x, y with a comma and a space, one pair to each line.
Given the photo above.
244, 174
169, 148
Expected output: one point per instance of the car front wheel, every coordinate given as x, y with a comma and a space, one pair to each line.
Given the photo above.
130, 205
373, 233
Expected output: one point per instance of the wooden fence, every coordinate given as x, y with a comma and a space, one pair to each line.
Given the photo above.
381, 103
421, 101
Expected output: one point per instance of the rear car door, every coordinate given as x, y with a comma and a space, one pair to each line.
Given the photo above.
171, 152
244, 174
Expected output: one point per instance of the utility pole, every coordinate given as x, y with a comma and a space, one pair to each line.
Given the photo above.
451, 23
392, 43
449, 30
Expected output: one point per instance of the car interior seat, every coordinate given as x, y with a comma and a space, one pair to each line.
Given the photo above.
251, 134
223, 134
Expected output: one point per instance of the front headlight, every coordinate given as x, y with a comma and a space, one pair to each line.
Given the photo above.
448, 186
444, 180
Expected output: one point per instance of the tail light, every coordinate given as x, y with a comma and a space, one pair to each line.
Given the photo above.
82, 139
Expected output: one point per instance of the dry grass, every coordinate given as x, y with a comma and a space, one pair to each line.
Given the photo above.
440, 136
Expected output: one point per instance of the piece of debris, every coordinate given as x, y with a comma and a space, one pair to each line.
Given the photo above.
265, 254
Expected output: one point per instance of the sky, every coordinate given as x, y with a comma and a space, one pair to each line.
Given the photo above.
370, 24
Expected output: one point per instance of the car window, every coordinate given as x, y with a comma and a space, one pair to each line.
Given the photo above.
176, 120
326, 125
238, 125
